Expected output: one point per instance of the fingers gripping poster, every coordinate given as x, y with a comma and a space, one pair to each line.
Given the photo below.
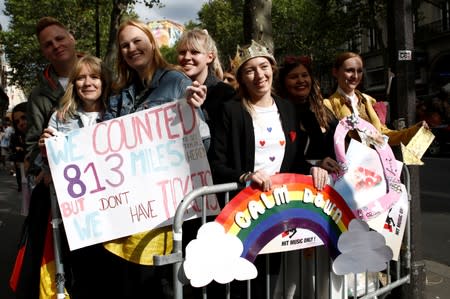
128, 174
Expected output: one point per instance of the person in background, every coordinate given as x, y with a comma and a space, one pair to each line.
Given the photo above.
57, 45
2, 157
258, 134
198, 56
5, 143
348, 71
17, 146
297, 84
229, 78
83, 104
144, 80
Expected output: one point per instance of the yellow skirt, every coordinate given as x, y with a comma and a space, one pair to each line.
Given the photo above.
140, 248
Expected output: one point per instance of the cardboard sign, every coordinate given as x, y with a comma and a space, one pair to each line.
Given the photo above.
257, 217
366, 172
253, 218
127, 175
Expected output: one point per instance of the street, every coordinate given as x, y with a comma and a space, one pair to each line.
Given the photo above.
435, 201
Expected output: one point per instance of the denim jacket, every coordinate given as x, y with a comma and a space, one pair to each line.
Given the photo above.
72, 123
166, 86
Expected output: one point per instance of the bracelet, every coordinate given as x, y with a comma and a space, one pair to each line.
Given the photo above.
245, 176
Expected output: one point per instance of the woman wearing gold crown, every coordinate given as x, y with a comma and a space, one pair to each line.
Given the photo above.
258, 135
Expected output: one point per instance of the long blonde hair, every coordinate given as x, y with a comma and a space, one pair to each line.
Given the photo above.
200, 40
70, 102
125, 74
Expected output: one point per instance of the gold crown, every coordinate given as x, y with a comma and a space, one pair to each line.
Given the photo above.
248, 52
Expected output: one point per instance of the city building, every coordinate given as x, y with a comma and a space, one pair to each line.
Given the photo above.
431, 51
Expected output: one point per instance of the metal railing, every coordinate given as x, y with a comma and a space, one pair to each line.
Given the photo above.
396, 274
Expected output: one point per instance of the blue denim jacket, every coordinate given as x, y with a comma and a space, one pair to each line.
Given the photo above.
67, 126
166, 86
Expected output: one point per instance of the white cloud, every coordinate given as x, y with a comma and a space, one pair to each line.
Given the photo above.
180, 11
362, 250
215, 255
4, 20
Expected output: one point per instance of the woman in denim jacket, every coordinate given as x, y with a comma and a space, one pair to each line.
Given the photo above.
145, 80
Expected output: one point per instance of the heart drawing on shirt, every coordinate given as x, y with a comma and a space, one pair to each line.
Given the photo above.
293, 135
262, 142
282, 142
269, 129
272, 158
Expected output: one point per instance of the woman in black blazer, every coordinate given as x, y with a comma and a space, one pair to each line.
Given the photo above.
258, 135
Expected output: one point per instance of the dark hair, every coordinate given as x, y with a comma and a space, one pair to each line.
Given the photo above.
22, 107
289, 63
45, 22
315, 98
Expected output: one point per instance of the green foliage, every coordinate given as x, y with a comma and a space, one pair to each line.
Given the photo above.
20, 42
170, 54
319, 28
223, 20
315, 28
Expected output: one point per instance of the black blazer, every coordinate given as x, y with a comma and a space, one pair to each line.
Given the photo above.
232, 150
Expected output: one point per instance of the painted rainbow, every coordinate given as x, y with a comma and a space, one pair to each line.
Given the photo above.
257, 217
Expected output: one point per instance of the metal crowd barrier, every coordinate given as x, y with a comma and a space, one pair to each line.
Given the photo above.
316, 279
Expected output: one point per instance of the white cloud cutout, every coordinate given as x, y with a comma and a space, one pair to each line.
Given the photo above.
361, 250
215, 255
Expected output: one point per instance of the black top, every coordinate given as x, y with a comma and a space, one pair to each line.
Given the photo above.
217, 93
232, 150
321, 145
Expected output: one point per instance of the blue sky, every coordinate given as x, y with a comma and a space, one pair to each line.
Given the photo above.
179, 11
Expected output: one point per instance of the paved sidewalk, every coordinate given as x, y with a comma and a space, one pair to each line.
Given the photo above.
10, 228
437, 281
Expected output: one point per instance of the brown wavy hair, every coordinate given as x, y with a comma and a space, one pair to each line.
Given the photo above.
315, 97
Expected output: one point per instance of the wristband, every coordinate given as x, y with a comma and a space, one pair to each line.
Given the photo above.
245, 176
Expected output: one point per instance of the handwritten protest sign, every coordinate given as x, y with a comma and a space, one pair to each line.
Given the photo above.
128, 175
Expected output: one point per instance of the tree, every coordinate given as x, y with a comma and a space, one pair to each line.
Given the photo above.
223, 20
258, 21
318, 28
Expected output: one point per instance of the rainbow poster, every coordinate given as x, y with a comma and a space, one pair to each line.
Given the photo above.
256, 217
